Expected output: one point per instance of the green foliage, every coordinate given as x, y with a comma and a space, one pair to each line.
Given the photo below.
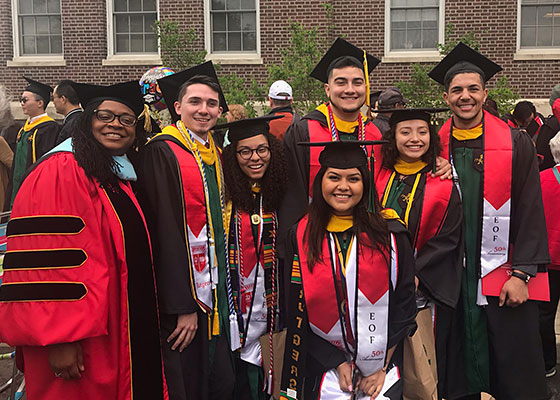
234, 90
298, 60
506, 95
468, 38
178, 47
422, 91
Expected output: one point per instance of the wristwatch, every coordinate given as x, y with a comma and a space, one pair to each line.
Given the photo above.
521, 275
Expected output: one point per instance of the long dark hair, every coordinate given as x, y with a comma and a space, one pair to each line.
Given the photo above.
96, 160
372, 224
273, 183
391, 153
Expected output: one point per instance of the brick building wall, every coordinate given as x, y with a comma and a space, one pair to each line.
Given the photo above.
361, 22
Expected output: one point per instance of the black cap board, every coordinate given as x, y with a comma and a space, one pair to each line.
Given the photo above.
39, 88
171, 84
407, 114
463, 59
340, 49
343, 154
128, 93
248, 127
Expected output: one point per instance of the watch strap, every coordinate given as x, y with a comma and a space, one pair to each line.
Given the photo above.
521, 275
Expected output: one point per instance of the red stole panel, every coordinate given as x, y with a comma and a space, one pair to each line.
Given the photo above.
196, 224
320, 133
437, 194
551, 193
496, 201
373, 291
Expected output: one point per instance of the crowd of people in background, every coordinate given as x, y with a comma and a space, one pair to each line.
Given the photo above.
333, 255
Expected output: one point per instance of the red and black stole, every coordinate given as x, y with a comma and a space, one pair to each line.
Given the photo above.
496, 200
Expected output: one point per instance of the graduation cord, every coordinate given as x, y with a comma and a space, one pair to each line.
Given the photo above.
334, 131
239, 238
273, 306
234, 327
354, 352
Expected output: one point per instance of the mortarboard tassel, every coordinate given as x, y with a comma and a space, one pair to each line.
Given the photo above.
366, 74
434, 157
147, 120
371, 198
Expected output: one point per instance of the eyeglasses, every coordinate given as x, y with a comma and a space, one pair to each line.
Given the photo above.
107, 116
23, 100
246, 153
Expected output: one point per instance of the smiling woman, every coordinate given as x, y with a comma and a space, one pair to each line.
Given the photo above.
255, 177
75, 316
344, 285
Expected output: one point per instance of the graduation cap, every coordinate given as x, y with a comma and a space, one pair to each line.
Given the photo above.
346, 154
463, 59
248, 127
171, 84
127, 93
339, 50
407, 114
39, 88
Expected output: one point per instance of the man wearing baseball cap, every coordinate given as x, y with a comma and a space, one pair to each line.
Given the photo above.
280, 99
388, 99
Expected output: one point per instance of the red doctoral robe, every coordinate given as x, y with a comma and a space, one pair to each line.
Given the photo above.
78, 269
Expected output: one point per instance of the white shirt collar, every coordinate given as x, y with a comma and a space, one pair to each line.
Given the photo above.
31, 120
199, 139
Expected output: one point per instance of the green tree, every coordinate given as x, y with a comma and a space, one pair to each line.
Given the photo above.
178, 47
298, 60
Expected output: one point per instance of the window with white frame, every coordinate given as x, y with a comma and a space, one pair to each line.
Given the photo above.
133, 22
540, 24
233, 25
414, 25
39, 27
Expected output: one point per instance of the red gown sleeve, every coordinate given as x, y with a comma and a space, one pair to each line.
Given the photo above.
56, 270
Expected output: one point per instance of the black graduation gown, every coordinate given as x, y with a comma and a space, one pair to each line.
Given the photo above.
69, 125
549, 129
161, 197
515, 354
439, 261
316, 355
45, 140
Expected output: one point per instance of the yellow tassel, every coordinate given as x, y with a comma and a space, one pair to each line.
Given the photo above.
366, 74
147, 120
209, 325
216, 325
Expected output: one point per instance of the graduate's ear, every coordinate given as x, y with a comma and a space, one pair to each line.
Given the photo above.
177, 106
327, 90
220, 112
445, 97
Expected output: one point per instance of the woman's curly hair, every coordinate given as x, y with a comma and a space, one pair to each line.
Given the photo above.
96, 160
391, 154
273, 183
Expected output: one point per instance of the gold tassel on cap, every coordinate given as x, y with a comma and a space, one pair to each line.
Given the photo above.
147, 120
366, 74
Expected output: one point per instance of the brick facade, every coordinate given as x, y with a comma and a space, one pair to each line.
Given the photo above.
361, 22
